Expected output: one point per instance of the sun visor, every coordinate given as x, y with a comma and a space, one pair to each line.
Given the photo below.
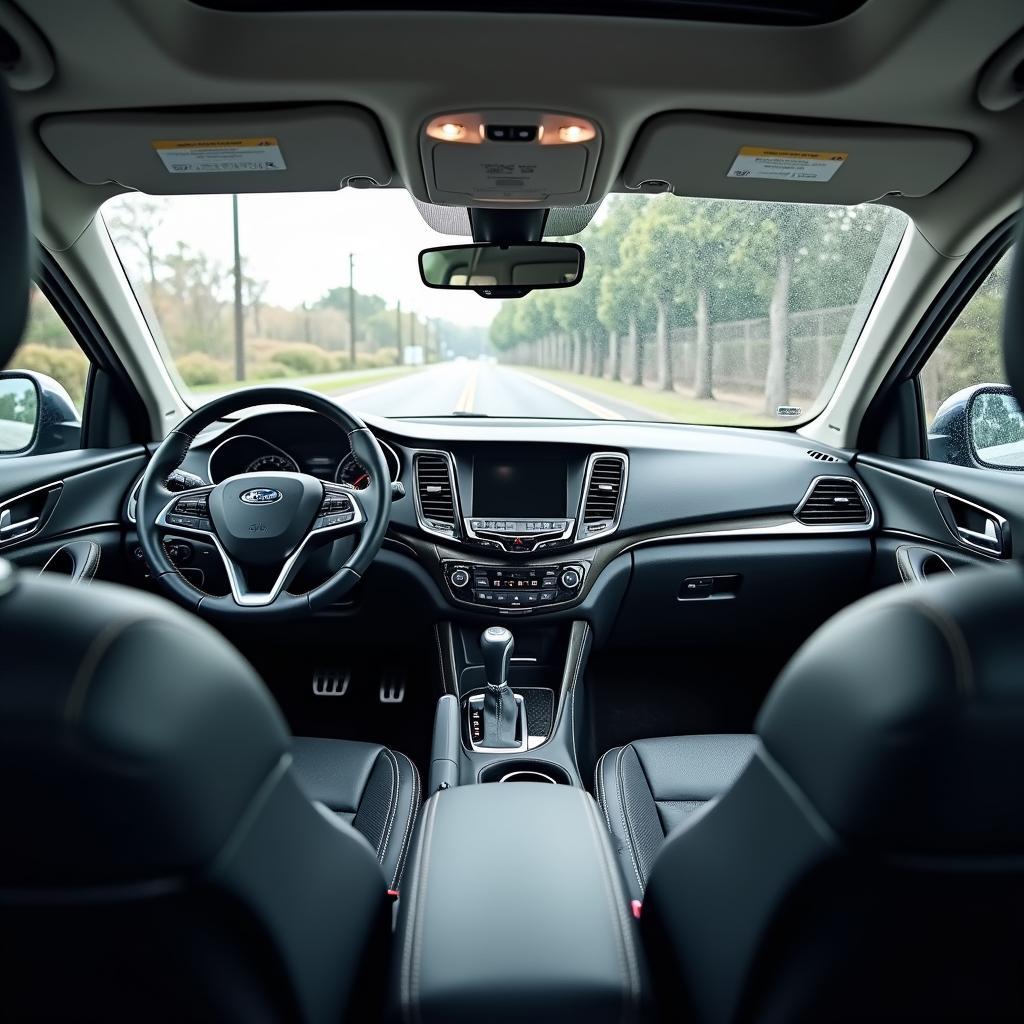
738, 158
296, 149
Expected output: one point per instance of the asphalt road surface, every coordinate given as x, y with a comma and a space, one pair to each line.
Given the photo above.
472, 387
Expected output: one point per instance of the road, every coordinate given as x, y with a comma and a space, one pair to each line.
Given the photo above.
481, 388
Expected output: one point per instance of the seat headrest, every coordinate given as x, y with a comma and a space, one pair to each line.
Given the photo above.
901, 719
1013, 321
133, 737
15, 238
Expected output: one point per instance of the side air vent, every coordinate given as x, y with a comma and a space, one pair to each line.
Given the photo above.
834, 501
435, 493
602, 503
821, 456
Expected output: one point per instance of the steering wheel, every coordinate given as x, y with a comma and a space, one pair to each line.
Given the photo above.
263, 524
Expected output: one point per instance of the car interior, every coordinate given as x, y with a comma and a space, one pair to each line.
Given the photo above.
574, 442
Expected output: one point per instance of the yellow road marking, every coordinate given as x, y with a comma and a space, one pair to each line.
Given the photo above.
468, 396
584, 403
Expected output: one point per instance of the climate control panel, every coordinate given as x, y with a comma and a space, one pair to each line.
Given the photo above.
524, 588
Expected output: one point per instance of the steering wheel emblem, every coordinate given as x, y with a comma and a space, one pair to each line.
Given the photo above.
261, 496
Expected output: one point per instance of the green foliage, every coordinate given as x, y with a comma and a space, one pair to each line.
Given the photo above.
68, 367
198, 368
304, 359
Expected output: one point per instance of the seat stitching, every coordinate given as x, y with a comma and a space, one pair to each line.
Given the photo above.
392, 804
413, 812
625, 821
627, 956
602, 798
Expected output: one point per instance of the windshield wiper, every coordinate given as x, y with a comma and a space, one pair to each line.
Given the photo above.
462, 412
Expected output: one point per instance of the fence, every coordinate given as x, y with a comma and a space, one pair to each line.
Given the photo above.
740, 352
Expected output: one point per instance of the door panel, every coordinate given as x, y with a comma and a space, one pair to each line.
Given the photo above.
84, 494
905, 493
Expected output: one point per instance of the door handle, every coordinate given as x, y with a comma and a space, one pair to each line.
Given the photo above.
973, 525
9, 530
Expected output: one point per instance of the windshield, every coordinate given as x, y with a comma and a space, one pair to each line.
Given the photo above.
689, 310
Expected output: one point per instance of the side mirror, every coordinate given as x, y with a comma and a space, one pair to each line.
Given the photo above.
498, 271
981, 425
36, 415
996, 428
19, 413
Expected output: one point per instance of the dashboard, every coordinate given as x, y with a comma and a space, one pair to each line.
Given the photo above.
569, 518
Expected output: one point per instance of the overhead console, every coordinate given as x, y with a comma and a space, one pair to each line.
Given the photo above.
725, 157
317, 147
498, 157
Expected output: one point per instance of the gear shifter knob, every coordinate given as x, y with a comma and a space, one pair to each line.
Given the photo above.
496, 644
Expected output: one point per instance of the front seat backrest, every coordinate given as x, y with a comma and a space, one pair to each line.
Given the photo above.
868, 864
159, 860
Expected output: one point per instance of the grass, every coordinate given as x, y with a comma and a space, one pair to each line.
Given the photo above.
669, 405
328, 383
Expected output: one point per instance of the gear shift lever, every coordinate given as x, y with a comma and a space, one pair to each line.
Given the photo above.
501, 712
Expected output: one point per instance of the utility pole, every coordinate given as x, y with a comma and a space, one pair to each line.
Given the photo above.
398, 331
239, 322
351, 311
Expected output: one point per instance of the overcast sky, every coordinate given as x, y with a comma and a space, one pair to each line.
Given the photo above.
300, 242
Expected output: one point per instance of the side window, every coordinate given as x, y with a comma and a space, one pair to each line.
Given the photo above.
42, 393
973, 418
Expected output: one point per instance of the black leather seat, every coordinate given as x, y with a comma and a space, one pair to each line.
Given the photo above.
373, 789
168, 853
868, 861
648, 787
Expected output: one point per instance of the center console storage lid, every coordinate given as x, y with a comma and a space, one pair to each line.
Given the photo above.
513, 909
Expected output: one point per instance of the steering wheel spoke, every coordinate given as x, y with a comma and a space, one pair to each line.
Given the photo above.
188, 511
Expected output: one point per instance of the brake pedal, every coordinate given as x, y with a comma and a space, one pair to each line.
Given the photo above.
392, 688
331, 682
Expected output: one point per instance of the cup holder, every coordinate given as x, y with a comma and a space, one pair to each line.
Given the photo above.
526, 771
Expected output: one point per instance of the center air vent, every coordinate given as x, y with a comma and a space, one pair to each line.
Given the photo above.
435, 493
834, 501
606, 481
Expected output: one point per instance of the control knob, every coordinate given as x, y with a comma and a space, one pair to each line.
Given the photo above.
571, 577
459, 578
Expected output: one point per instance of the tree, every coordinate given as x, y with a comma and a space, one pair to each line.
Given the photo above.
135, 223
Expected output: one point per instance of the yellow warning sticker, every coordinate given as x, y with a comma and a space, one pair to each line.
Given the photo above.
219, 156
785, 164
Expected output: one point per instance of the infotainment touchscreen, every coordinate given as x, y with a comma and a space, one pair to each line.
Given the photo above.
518, 488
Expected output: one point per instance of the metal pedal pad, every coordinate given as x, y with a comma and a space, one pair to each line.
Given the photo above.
392, 687
331, 682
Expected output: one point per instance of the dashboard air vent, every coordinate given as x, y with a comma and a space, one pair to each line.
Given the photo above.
821, 456
435, 492
604, 491
834, 501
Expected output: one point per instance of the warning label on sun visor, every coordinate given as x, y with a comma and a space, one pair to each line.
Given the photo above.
785, 164
220, 156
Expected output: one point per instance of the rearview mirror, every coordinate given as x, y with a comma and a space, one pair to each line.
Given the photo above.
499, 271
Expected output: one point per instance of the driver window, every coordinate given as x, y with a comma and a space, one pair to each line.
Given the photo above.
48, 347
